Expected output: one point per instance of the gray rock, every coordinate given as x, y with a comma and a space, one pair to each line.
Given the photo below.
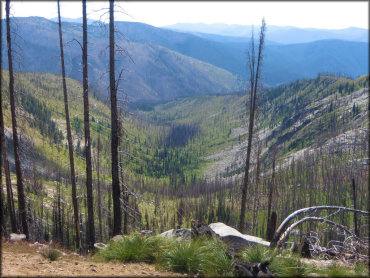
100, 245
117, 237
234, 239
17, 237
182, 234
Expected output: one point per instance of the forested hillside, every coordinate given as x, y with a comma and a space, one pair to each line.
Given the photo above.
163, 64
182, 151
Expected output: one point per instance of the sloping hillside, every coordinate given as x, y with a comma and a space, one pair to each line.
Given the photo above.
169, 64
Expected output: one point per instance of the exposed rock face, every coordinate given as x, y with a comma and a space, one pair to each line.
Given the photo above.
233, 238
17, 237
184, 234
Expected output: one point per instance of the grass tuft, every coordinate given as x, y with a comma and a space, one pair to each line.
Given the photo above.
52, 254
133, 248
199, 256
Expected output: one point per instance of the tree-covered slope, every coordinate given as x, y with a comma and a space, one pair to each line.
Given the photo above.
169, 64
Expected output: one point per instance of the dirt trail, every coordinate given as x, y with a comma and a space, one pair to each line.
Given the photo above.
19, 259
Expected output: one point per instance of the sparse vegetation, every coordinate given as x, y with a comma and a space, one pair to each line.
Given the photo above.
52, 254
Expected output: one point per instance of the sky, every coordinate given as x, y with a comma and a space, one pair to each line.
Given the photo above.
319, 14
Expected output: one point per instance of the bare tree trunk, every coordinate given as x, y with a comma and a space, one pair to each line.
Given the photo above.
254, 78
117, 221
18, 168
258, 172
89, 192
9, 190
271, 188
69, 138
355, 207
99, 193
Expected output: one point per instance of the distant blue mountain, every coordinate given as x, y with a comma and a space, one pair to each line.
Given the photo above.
279, 34
170, 64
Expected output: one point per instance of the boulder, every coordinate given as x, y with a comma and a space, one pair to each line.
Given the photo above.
17, 237
117, 237
234, 239
100, 245
146, 233
201, 229
182, 234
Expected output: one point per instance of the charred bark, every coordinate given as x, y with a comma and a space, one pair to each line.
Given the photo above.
18, 168
254, 78
117, 217
89, 192
69, 137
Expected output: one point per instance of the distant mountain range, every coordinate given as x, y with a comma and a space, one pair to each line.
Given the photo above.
168, 64
278, 34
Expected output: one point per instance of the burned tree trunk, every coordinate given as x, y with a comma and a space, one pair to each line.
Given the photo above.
69, 137
89, 192
4, 159
254, 79
271, 226
18, 168
117, 217
99, 193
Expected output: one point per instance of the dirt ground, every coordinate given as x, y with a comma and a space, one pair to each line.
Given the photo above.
20, 259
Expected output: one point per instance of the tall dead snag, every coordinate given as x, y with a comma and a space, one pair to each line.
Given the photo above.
89, 192
255, 71
271, 221
99, 191
355, 207
18, 168
69, 137
117, 217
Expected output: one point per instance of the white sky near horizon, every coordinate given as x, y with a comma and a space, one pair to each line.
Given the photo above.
324, 15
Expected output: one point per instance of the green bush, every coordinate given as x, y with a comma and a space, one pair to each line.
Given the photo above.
52, 254
133, 248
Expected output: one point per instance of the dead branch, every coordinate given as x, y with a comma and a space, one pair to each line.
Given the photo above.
283, 226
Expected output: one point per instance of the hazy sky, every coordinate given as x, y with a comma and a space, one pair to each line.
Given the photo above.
329, 15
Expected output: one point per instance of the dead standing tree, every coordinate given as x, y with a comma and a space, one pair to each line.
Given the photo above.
89, 191
117, 216
255, 71
18, 168
69, 137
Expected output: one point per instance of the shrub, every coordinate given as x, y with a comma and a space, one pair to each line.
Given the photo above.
133, 248
52, 254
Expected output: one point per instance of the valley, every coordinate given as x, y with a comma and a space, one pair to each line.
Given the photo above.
163, 135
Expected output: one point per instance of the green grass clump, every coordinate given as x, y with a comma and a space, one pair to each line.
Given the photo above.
52, 254
257, 254
361, 269
133, 248
336, 270
206, 257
